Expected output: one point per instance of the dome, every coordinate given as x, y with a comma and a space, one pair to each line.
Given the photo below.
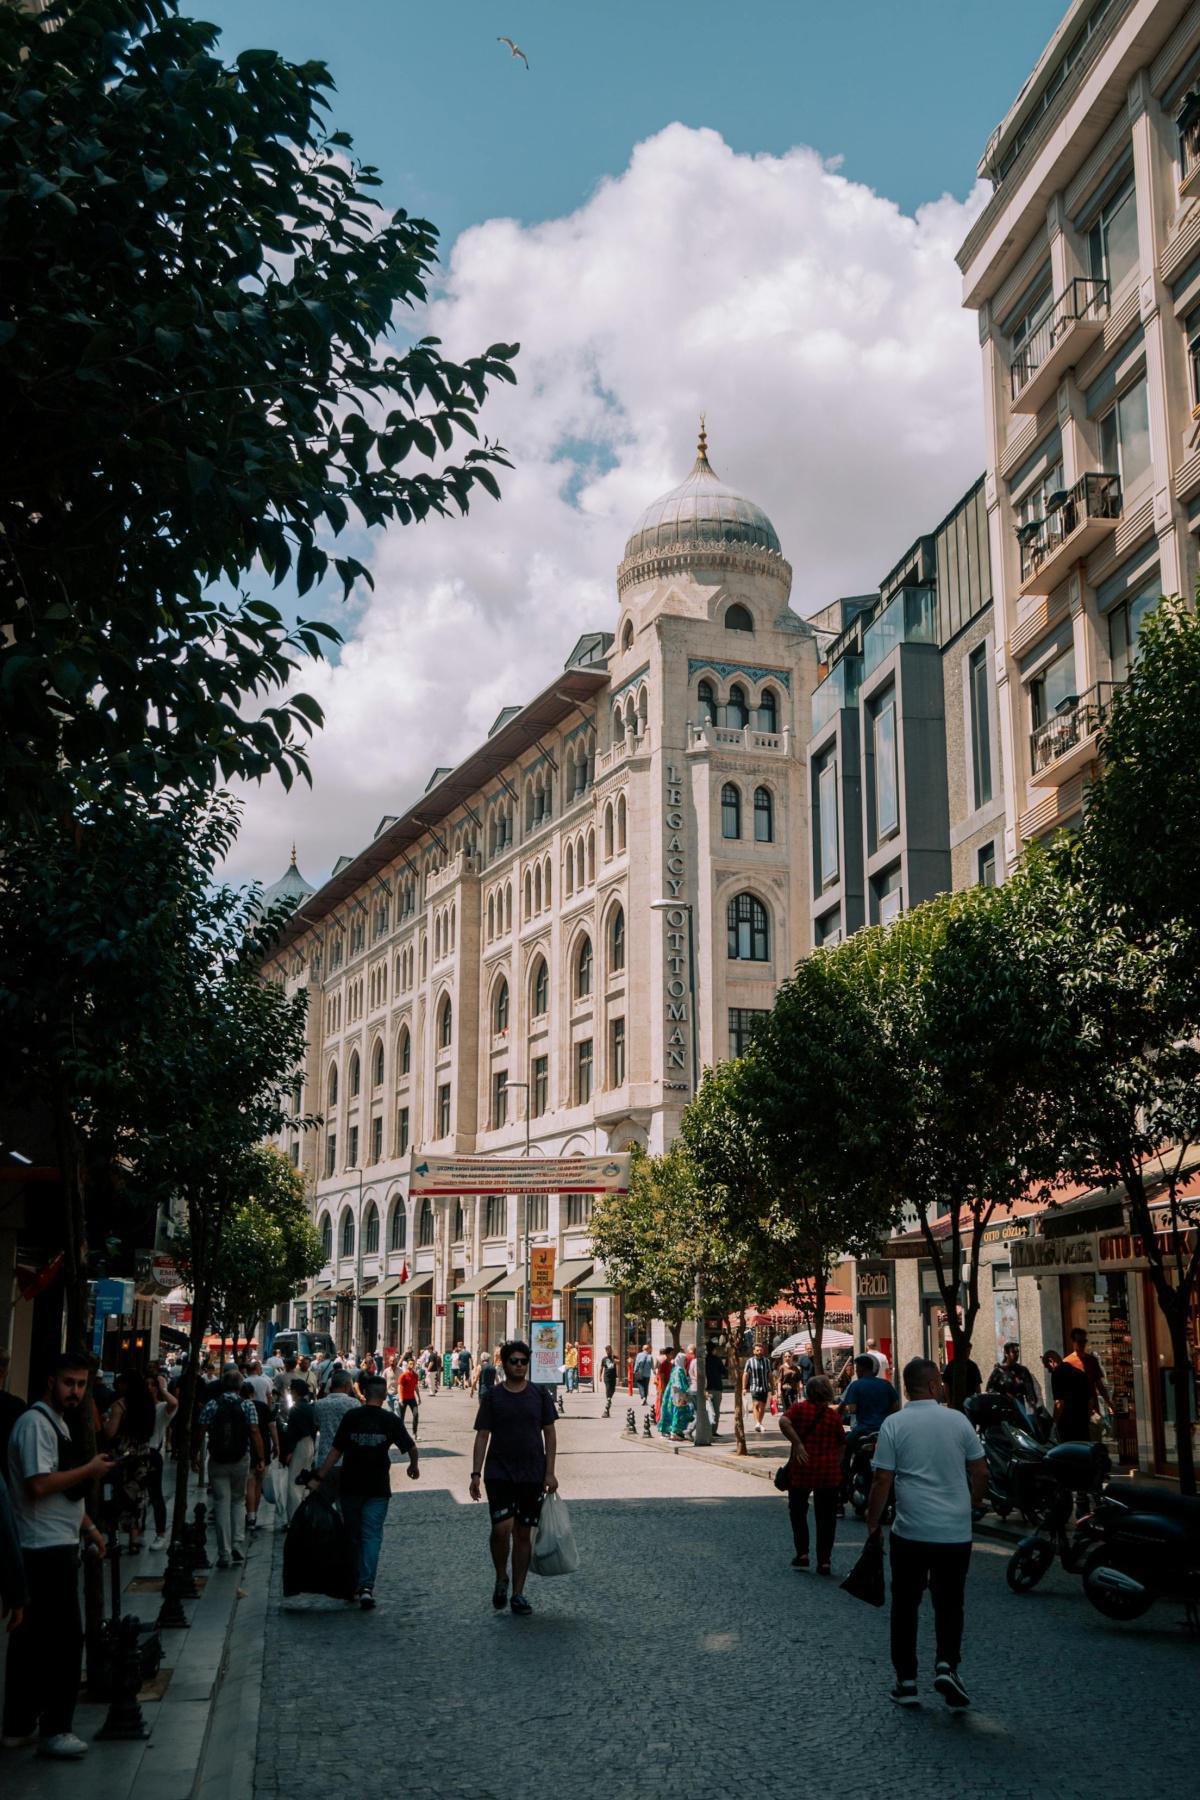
701, 512
290, 886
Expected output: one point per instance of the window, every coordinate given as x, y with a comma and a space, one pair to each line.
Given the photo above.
627, 635
616, 1052
347, 1233
499, 1098
377, 1140
583, 1071
828, 928
621, 822
828, 830
616, 942
746, 921
425, 1225
352, 1147
402, 1131
738, 618
495, 1215
331, 1153
295, 1153
579, 1210
887, 787
443, 1110
1124, 626
377, 1068
764, 816
889, 896
1125, 438
446, 1024
981, 726
767, 716
987, 865
327, 1239
333, 1086
541, 989
583, 970
735, 713
355, 1076
538, 1208
1113, 239
398, 1237
708, 703
1053, 689
371, 1241
500, 1008
540, 1082
608, 832
1192, 329
743, 1023
731, 811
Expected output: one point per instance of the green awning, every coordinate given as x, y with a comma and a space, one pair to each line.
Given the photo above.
416, 1284
476, 1284
571, 1273
379, 1290
508, 1288
595, 1284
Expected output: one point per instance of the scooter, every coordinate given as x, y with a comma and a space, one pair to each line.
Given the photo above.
857, 1488
1142, 1544
1075, 1469
1015, 1457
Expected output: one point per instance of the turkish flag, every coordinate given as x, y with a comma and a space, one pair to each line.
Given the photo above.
404, 1271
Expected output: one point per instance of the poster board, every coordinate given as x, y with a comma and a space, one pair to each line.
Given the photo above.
548, 1349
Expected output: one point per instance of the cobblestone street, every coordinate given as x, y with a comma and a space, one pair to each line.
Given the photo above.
686, 1657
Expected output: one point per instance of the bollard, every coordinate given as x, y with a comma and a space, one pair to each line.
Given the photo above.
171, 1615
646, 1431
630, 1423
199, 1554
124, 1718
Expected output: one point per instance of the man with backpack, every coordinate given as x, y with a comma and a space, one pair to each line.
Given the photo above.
229, 1426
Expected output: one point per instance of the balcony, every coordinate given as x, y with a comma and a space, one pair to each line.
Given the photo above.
1075, 319
838, 690
702, 735
910, 617
1077, 519
1067, 742
630, 744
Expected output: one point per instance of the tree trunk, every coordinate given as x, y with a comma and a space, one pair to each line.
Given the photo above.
736, 1340
1181, 1383
676, 1332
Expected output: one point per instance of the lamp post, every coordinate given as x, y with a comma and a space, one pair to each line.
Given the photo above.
525, 1086
353, 1169
670, 908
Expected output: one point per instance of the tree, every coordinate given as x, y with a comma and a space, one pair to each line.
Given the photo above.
269, 1244
196, 288
641, 1238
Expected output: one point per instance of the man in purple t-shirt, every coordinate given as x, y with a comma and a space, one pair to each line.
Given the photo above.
515, 1446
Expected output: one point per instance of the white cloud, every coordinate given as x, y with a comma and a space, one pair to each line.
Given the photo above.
818, 326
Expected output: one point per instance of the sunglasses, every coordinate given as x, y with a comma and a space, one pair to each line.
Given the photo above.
517, 1362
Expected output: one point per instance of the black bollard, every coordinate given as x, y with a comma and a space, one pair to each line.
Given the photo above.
646, 1423
631, 1423
171, 1616
124, 1718
199, 1532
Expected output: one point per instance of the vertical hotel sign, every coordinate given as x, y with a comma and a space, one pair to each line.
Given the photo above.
675, 982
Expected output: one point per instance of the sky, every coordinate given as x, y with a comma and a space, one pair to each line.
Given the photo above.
678, 206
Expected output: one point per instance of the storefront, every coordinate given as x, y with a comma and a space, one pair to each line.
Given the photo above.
416, 1295
875, 1307
474, 1327
576, 1305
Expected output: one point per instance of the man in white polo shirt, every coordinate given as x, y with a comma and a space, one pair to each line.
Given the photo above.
932, 1459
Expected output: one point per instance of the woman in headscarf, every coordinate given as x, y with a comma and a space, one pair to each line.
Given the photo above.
677, 1409
662, 1374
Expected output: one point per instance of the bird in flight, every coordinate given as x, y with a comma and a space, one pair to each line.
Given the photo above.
515, 48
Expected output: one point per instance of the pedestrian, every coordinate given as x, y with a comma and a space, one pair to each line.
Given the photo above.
434, 1370
389, 1377
643, 1372
258, 1381
11, 1409
572, 1367
331, 1409
228, 1426
970, 1377
759, 1381
608, 1375
269, 1434
464, 1366
789, 1381
883, 1367
514, 1451
407, 1382
165, 1407
47, 1483
298, 1445
1081, 1358
127, 1430
869, 1399
678, 1410
933, 1462
13, 1592
714, 1385
1071, 1399
815, 1433
662, 1374
362, 1444
1011, 1377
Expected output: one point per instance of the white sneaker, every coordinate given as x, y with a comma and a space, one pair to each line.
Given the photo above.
158, 1542
64, 1746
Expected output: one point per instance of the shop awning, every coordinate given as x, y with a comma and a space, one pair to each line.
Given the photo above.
343, 1291
375, 1292
476, 1284
416, 1284
513, 1280
597, 1283
572, 1272
325, 1287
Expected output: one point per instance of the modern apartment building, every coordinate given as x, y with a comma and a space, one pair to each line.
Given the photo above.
1084, 269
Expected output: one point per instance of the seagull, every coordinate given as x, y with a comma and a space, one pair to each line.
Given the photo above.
515, 48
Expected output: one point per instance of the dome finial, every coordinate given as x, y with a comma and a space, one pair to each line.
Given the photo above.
293, 856
702, 441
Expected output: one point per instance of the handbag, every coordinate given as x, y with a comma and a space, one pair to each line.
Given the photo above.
865, 1580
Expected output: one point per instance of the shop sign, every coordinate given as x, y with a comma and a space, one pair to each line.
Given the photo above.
585, 1363
440, 1309
1010, 1230
677, 1021
871, 1284
541, 1282
1038, 1255
157, 1273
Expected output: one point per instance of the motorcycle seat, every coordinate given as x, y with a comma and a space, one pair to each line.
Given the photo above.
1144, 1497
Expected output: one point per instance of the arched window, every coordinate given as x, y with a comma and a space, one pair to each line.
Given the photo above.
424, 956
764, 816
749, 935
537, 888
738, 618
371, 1241
398, 1236
327, 1239
731, 811
355, 1076
579, 863
460, 1223
437, 937
347, 1233
569, 873
541, 988
508, 907
608, 832
627, 635
621, 822
528, 894
618, 726
404, 1059
616, 941
425, 1225
547, 881
333, 1085
735, 713
377, 1071
491, 925
708, 703
767, 718
583, 970
446, 1024
591, 856
500, 1007
643, 705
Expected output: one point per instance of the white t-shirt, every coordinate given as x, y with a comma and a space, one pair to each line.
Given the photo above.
158, 1436
927, 1448
262, 1387
33, 1449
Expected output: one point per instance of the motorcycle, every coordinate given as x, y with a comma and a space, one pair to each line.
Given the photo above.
1015, 1447
1075, 1469
1142, 1544
856, 1489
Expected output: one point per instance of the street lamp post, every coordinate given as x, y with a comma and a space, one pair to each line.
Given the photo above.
528, 1314
670, 907
356, 1329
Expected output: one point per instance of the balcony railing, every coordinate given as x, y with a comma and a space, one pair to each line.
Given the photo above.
703, 733
1075, 522
839, 689
910, 617
1054, 346
1073, 727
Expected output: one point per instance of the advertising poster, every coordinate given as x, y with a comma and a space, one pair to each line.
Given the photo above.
541, 1283
548, 1342
518, 1175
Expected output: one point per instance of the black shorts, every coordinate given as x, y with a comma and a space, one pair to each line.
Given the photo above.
519, 1500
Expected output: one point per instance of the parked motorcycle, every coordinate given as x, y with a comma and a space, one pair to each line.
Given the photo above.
1015, 1449
1075, 1469
1142, 1544
857, 1487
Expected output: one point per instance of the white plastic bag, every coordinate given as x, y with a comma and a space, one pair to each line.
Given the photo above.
274, 1485
554, 1551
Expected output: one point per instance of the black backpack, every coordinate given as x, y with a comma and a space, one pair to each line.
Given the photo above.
228, 1432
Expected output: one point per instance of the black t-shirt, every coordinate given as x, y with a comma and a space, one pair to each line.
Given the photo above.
1071, 1386
10, 1411
516, 1420
714, 1373
608, 1371
364, 1436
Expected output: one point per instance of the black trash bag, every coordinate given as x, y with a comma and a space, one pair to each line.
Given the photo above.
865, 1580
318, 1557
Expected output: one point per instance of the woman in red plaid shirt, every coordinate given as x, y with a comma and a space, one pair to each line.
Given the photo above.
815, 1433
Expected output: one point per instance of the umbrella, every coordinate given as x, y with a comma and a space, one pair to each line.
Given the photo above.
801, 1340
